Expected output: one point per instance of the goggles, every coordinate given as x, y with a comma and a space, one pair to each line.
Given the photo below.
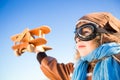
88, 31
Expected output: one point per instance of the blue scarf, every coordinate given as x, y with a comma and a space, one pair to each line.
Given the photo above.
107, 69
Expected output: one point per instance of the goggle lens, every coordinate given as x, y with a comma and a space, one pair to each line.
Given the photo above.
86, 32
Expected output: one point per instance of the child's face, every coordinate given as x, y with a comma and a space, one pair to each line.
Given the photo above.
85, 47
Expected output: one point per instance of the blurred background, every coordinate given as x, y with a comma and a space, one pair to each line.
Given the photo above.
60, 15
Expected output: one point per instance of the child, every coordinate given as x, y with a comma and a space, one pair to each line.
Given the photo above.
97, 37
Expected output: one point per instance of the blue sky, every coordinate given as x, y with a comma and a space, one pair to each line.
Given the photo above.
60, 15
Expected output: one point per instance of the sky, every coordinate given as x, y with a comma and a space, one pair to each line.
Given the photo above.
60, 15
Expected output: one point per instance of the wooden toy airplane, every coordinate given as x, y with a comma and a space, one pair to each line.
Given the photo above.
28, 37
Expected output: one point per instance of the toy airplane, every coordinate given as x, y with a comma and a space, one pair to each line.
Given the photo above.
34, 37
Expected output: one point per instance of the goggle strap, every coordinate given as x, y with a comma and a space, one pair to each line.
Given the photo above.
101, 30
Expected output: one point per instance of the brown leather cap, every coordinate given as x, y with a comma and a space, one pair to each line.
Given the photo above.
106, 21
103, 19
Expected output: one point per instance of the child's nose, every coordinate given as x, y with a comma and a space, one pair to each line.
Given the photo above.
78, 40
